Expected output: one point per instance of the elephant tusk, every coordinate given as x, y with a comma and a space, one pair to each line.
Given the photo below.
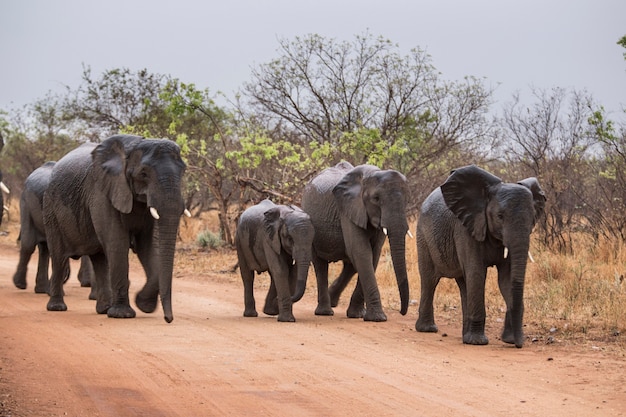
506, 252
4, 188
530, 257
154, 213
187, 213
385, 231
408, 232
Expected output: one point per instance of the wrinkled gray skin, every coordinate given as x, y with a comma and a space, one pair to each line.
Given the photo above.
350, 207
98, 203
463, 228
277, 239
33, 235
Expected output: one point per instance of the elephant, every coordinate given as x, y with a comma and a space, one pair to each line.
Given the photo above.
278, 239
32, 234
473, 221
353, 209
104, 199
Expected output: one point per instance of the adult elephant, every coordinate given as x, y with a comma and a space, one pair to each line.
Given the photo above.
352, 210
103, 198
278, 239
33, 235
471, 222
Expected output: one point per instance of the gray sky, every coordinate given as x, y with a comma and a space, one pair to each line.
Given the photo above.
213, 44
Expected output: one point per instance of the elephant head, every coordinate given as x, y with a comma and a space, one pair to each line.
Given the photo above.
376, 199
502, 215
290, 229
142, 176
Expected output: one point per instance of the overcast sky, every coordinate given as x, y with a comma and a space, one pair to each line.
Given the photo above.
213, 44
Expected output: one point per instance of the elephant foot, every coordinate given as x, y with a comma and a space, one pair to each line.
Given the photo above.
508, 336
121, 311
271, 309
286, 317
56, 304
250, 313
426, 327
374, 315
102, 307
146, 303
20, 283
41, 289
324, 311
475, 339
92, 294
85, 284
334, 299
355, 312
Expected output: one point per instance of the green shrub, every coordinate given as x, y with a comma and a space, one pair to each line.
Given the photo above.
208, 239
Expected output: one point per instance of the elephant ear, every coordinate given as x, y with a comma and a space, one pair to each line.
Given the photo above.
466, 193
348, 196
109, 165
272, 223
539, 197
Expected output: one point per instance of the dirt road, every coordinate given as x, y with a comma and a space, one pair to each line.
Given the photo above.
211, 361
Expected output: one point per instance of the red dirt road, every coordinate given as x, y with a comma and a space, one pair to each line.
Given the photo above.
211, 361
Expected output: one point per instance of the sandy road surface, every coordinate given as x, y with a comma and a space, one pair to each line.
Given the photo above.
211, 361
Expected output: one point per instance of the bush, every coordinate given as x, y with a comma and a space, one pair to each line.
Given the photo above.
208, 239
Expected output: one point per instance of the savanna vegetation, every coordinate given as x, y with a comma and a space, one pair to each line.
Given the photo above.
324, 100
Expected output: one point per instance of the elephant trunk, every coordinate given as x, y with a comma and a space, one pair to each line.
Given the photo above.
397, 249
302, 258
165, 232
518, 258
302, 272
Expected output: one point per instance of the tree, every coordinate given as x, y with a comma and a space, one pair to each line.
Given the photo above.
119, 99
366, 102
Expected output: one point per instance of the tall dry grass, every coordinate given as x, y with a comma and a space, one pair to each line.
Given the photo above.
568, 299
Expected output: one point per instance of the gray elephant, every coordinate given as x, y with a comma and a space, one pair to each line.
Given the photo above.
103, 199
32, 234
353, 209
473, 221
278, 239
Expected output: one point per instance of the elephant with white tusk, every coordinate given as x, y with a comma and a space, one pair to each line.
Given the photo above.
104, 199
353, 210
473, 221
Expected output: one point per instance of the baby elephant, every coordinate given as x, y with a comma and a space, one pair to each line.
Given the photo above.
278, 239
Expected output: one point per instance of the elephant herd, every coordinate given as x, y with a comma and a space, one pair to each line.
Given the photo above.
100, 201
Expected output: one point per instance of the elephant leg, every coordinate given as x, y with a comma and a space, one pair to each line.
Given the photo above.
247, 277
271, 301
26, 251
59, 266
282, 294
429, 279
85, 273
356, 309
41, 279
460, 283
339, 285
148, 297
504, 282
102, 287
323, 297
117, 263
474, 321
